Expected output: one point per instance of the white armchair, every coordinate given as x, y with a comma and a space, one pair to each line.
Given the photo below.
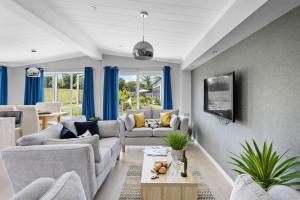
30, 121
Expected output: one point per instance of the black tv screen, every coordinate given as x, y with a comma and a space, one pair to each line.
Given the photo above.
219, 96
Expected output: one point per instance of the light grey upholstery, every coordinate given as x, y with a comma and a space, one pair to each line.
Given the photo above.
27, 163
139, 132
35, 190
37, 138
161, 132
109, 128
67, 187
282, 192
151, 136
92, 140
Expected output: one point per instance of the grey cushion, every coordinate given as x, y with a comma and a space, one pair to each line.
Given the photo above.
35, 190
109, 128
106, 156
37, 138
69, 124
147, 112
112, 143
67, 187
175, 121
156, 112
139, 132
129, 122
92, 140
161, 132
282, 192
245, 188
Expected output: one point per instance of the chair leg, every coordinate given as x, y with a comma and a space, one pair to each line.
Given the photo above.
123, 147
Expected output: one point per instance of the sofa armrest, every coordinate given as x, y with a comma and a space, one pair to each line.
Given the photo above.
28, 163
37, 138
184, 124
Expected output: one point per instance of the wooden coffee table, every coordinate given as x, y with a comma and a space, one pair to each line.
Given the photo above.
168, 186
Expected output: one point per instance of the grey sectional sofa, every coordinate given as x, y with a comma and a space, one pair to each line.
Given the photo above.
149, 136
33, 160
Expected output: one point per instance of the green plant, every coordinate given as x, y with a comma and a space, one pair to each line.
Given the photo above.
93, 119
265, 166
176, 140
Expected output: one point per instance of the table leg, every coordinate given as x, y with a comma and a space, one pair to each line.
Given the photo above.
58, 118
44, 123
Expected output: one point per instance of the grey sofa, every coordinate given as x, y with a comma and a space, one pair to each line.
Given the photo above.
66, 187
33, 160
149, 136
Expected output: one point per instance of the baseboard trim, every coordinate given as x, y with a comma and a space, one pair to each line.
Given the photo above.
214, 162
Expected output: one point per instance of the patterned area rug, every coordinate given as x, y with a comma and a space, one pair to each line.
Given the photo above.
132, 186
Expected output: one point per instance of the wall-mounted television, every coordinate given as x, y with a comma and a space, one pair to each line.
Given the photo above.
219, 96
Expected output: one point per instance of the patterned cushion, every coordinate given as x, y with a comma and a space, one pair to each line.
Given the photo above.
152, 123
129, 122
175, 121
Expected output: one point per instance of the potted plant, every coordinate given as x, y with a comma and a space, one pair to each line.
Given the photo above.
177, 141
266, 166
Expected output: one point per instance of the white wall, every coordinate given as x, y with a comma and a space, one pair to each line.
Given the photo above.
181, 81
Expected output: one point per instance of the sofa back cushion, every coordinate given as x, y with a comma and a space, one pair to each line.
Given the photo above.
37, 138
109, 128
147, 112
245, 188
69, 124
68, 186
156, 112
93, 140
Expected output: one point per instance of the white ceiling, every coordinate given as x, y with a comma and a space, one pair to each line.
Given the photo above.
180, 31
18, 37
173, 27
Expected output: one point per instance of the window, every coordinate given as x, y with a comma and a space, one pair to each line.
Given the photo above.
139, 90
67, 88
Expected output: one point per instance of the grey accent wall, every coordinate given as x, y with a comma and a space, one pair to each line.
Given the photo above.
267, 66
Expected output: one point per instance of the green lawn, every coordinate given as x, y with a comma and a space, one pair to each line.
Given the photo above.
64, 96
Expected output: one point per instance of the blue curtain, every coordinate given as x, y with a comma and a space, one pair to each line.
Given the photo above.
167, 104
3, 85
111, 89
34, 89
88, 107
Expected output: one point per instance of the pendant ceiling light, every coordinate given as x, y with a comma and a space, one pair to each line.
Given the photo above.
143, 50
33, 72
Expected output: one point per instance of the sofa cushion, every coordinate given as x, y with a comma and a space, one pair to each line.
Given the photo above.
69, 124
139, 120
105, 159
156, 112
175, 122
165, 118
35, 190
67, 187
245, 188
93, 140
129, 122
282, 192
37, 138
161, 132
109, 128
113, 143
147, 112
152, 123
65, 133
91, 126
139, 132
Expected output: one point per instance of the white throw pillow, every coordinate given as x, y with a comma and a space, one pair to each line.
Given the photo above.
129, 122
245, 188
175, 121
92, 140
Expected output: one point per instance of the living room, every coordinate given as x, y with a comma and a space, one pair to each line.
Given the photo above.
125, 100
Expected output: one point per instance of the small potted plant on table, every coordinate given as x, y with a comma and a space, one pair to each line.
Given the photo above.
177, 141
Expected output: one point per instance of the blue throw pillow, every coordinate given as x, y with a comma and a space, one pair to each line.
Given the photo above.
91, 126
67, 134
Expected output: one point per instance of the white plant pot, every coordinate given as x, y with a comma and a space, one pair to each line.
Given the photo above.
176, 154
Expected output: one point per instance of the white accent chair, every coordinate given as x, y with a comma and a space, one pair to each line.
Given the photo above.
18, 130
30, 121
